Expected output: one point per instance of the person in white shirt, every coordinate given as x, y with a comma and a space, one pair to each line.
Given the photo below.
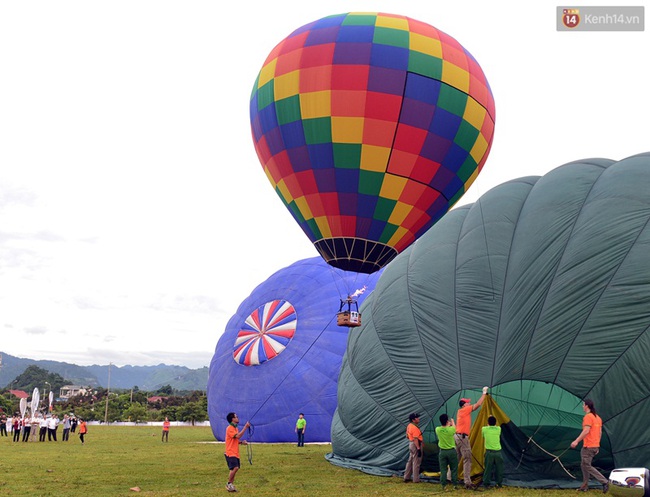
27, 427
43, 429
52, 425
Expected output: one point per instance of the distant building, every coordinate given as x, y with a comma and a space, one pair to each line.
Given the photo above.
156, 398
19, 393
68, 391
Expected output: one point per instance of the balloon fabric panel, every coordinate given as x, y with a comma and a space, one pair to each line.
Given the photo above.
539, 290
370, 127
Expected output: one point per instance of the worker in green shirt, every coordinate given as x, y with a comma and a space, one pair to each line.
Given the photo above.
301, 425
447, 457
493, 456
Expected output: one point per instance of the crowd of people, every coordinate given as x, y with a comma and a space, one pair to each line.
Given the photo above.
453, 442
40, 427
454, 446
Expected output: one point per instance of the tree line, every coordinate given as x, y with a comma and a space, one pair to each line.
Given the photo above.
133, 404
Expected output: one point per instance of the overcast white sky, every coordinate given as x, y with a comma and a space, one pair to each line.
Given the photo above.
134, 214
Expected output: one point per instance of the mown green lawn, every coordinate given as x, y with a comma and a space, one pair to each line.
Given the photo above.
118, 458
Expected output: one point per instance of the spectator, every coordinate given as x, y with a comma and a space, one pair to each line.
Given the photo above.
83, 429
15, 425
165, 431
3, 425
66, 427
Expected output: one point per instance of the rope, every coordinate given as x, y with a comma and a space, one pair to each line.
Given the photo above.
249, 446
555, 458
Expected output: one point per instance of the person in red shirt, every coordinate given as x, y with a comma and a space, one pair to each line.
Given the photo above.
17, 424
414, 435
463, 427
165, 432
233, 439
592, 426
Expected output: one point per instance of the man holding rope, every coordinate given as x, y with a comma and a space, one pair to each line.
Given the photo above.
233, 440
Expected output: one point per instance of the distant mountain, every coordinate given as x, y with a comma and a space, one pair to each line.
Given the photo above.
149, 378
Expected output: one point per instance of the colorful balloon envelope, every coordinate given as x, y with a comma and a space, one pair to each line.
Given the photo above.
370, 127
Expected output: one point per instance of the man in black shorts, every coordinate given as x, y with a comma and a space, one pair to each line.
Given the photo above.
233, 440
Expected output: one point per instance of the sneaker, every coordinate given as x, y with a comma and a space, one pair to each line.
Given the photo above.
470, 486
605, 487
583, 488
230, 487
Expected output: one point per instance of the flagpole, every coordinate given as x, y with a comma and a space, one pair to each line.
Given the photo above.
108, 391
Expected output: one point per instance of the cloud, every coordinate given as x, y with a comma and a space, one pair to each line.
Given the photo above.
85, 303
187, 303
10, 195
36, 330
27, 252
47, 236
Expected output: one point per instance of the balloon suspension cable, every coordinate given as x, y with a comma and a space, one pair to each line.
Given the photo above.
249, 446
339, 282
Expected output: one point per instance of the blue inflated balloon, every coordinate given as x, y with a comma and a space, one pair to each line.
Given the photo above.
281, 352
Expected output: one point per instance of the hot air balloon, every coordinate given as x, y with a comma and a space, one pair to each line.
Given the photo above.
541, 290
23, 406
280, 355
370, 127
36, 398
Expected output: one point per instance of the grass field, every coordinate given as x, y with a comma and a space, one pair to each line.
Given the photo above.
115, 459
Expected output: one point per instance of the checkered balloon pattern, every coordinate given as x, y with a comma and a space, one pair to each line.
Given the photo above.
370, 127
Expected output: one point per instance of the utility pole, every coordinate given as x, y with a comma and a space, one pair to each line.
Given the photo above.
108, 392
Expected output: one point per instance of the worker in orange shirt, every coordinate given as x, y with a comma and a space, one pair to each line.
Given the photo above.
592, 426
463, 427
233, 439
414, 435
165, 432
83, 429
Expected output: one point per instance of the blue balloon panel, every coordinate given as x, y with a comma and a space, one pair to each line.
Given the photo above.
281, 352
